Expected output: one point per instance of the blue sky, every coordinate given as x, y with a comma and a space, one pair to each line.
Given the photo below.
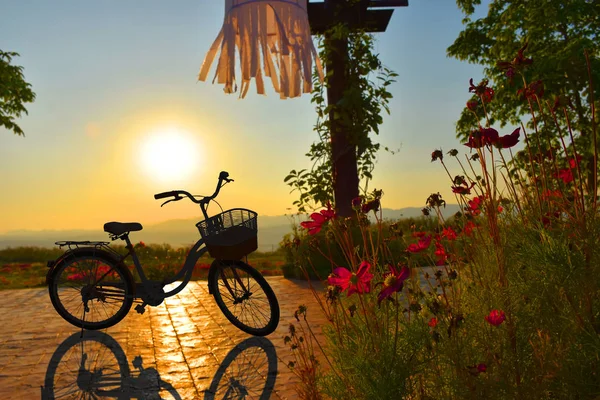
108, 72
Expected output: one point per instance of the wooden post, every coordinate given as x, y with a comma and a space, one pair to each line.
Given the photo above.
323, 16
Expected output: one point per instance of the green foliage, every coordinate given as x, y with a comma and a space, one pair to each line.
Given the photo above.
557, 33
29, 254
365, 96
317, 255
14, 92
26, 266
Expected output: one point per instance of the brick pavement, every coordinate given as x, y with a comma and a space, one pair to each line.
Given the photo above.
186, 340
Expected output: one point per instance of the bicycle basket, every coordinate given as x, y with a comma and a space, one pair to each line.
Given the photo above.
230, 235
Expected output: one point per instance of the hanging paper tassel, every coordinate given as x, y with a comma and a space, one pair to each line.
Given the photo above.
276, 31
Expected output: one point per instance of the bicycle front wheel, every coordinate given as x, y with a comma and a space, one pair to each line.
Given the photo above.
245, 297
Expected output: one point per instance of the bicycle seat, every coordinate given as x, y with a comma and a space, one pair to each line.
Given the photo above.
119, 228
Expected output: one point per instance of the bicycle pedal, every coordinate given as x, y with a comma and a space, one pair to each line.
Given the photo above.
140, 308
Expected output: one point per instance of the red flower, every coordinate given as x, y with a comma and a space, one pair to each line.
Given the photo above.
468, 228
489, 135
546, 217
507, 141
433, 322
481, 137
496, 317
472, 105
440, 253
419, 234
421, 245
359, 282
566, 175
372, 205
474, 141
517, 63
477, 369
500, 209
463, 188
318, 219
573, 162
535, 89
550, 194
449, 233
393, 282
474, 206
482, 90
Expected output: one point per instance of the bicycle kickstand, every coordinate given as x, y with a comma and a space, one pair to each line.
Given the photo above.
141, 308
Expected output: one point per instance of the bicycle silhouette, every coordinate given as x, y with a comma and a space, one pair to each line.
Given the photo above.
95, 366
91, 287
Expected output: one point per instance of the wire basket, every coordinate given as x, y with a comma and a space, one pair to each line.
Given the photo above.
230, 235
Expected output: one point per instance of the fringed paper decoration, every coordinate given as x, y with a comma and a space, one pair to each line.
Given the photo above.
276, 31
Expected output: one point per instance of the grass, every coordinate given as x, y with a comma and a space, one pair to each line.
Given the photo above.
25, 267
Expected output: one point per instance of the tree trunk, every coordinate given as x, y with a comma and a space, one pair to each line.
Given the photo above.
344, 161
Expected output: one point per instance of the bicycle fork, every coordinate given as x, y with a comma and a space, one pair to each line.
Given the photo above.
237, 278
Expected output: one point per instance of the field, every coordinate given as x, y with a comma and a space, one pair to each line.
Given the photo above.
25, 267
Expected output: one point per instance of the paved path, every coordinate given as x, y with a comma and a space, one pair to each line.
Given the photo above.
186, 343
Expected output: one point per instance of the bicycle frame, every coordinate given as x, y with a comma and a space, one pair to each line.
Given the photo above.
185, 272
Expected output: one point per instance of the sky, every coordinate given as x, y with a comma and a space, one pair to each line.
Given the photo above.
116, 84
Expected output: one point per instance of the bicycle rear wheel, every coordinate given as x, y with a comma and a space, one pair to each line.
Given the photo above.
244, 297
90, 290
88, 367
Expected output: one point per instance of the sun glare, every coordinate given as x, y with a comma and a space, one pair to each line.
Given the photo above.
170, 155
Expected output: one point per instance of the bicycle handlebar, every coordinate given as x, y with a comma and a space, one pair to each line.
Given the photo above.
223, 176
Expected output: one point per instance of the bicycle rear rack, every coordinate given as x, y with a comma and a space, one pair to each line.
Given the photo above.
73, 245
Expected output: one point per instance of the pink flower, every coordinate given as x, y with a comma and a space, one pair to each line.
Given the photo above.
433, 322
359, 282
421, 245
318, 219
393, 282
496, 317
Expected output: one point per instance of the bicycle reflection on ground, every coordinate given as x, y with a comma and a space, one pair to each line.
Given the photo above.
95, 366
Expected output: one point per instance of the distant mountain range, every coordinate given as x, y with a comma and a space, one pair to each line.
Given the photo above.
180, 232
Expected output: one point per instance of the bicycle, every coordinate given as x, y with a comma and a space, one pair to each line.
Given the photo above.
91, 287
95, 366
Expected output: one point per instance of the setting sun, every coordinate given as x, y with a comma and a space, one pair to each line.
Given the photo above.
170, 155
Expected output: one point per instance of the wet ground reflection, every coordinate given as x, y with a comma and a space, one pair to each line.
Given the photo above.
95, 366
